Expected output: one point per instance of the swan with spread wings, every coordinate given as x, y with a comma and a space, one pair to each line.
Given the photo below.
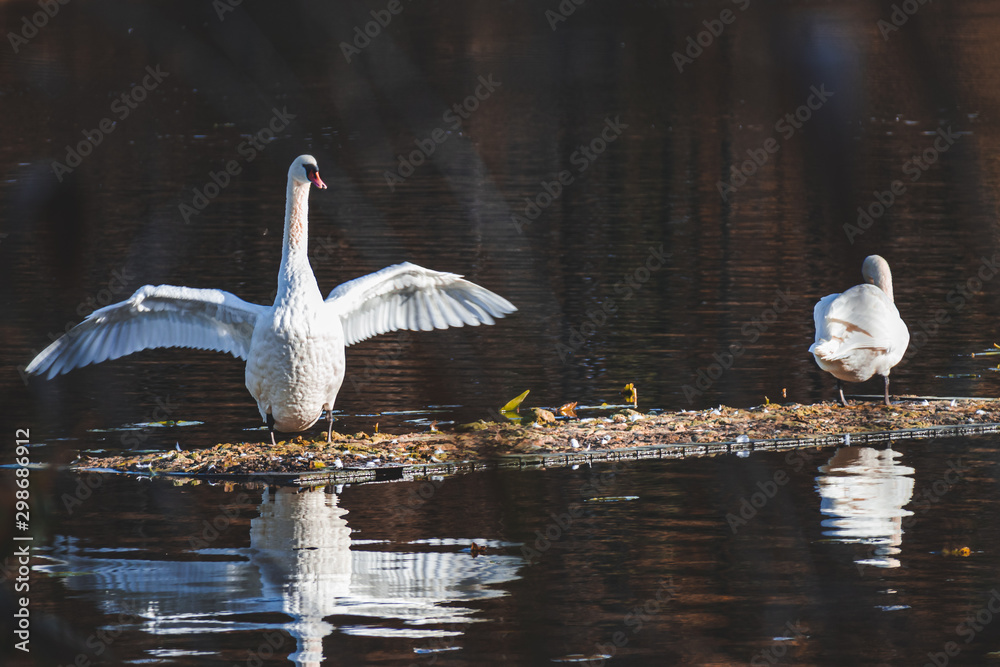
294, 349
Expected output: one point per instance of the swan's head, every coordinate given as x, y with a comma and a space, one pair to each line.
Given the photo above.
305, 171
876, 272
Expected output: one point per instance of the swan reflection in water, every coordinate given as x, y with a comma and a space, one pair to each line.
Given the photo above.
300, 563
863, 492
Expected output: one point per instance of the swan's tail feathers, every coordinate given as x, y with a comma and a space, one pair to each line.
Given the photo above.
827, 350
153, 317
835, 349
407, 296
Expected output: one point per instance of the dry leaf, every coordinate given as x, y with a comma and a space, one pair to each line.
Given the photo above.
568, 410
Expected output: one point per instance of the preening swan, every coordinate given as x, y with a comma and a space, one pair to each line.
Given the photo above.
859, 333
294, 349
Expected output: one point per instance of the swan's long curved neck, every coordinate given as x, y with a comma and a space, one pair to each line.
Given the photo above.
885, 282
876, 271
295, 245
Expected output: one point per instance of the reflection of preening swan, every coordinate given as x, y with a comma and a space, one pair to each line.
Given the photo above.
294, 349
864, 490
859, 333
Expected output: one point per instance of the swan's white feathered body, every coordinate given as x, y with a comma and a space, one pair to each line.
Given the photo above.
296, 362
859, 333
294, 349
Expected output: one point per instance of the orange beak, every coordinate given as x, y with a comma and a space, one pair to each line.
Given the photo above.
316, 180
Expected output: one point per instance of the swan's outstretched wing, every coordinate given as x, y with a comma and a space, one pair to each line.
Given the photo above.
863, 317
155, 316
407, 296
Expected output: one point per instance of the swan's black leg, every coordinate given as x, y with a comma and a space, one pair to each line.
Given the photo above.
270, 427
840, 390
887, 401
329, 430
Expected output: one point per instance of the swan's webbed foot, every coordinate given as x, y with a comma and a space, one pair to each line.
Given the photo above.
270, 427
840, 390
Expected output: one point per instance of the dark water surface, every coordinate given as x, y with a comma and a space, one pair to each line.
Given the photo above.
806, 557
635, 268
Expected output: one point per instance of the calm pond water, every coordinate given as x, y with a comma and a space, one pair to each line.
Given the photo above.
834, 557
591, 182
